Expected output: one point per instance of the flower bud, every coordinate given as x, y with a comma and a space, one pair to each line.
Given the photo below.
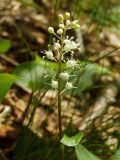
77, 26
60, 17
60, 31
67, 15
51, 30
61, 26
73, 24
68, 22
64, 75
54, 84
68, 85
76, 21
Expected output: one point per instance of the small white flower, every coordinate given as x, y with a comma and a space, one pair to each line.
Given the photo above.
59, 31
57, 46
73, 45
49, 55
68, 85
64, 76
54, 84
67, 48
51, 30
70, 45
71, 63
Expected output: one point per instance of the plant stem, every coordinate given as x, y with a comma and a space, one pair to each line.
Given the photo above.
60, 98
59, 112
59, 104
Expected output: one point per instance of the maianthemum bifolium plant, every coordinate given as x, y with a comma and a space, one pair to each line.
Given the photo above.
62, 45
62, 50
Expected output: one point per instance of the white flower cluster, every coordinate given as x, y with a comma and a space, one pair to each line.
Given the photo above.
62, 45
70, 45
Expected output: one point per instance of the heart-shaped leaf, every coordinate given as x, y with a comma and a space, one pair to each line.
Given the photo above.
72, 141
83, 154
35, 74
116, 156
84, 77
6, 81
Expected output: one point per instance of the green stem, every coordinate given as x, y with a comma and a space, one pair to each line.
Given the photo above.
59, 110
59, 103
60, 97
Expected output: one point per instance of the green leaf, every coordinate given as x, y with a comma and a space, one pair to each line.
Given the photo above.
72, 141
116, 156
5, 45
35, 74
83, 154
6, 81
85, 77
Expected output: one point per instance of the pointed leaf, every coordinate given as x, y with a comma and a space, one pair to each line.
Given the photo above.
72, 141
6, 81
85, 77
83, 154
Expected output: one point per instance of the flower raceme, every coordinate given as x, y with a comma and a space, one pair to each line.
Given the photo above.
62, 44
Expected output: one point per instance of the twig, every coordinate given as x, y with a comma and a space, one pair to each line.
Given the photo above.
9, 60
107, 54
97, 109
2, 156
